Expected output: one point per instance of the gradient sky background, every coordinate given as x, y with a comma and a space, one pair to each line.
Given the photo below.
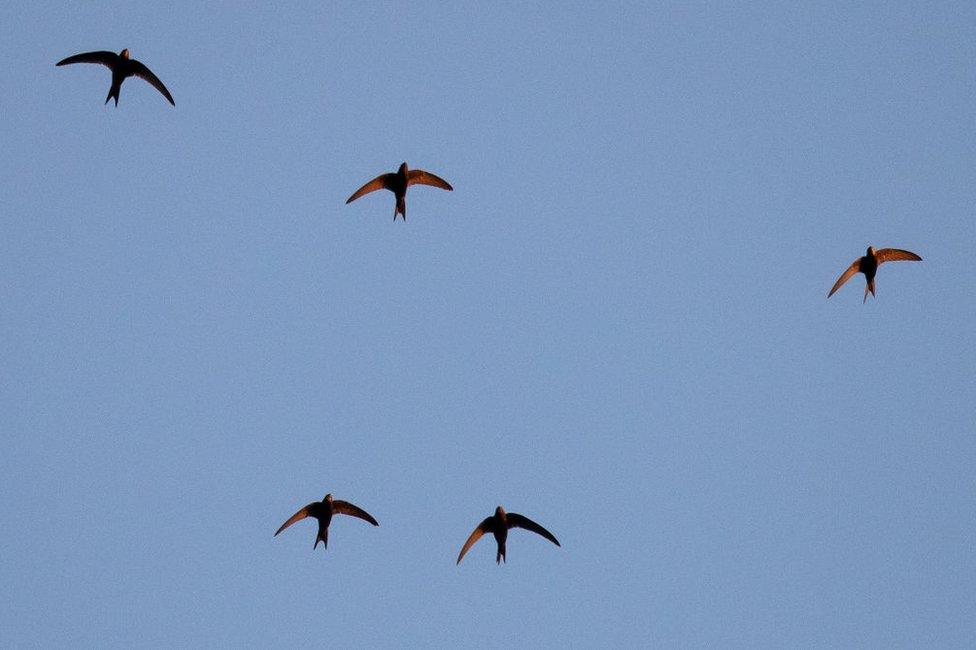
616, 324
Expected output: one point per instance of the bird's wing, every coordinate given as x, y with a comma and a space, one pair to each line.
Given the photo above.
896, 255
518, 521
346, 508
420, 177
141, 71
381, 182
851, 270
105, 58
484, 527
298, 516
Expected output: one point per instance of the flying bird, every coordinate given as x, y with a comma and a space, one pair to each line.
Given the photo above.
398, 184
868, 265
498, 525
323, 511
122, 67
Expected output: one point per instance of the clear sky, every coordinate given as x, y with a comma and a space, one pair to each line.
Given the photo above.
616, 324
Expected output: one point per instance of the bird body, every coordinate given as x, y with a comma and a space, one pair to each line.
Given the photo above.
868, 265
122, 67
323, 511
398, 183
498, 525
500, 531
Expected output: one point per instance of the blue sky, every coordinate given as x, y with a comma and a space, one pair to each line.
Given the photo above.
616, 325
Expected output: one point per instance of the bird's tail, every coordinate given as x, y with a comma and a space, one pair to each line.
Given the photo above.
401, 208
113, 92
323, 537
501, 554
869, 287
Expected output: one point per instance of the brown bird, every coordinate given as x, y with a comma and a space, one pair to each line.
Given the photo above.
868, 265
398, 184
323, 511
122, 67
498, 525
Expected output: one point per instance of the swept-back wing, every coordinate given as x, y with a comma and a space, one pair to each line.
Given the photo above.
420, 177
346, 508
298, 516
518, 521
484, 527
851, 270
141, 71
381, 182
896, 255
105, 58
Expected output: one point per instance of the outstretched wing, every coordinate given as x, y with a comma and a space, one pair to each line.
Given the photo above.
381, 182
851, 270
141, 71
484, 527
346, 508
105, 58
298, 516
518, 521
896, 255
420, 177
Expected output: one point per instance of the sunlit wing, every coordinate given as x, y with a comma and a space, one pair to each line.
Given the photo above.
518, 521
141, 71
298, 516
484, 527
381, 182
346, 508
420, 177
105, 58
896, 255
851, 270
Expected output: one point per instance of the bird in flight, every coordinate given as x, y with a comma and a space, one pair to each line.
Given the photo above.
323, 511
122, 67
498, 525
868, 265
398, 184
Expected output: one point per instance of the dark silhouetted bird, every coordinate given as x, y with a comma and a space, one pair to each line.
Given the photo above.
323, 511
122, 67
498, 525
398, 184
868, 265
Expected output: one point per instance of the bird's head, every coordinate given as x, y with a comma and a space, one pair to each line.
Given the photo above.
403, 168
125, 54
499, 511
870, 251
328, 498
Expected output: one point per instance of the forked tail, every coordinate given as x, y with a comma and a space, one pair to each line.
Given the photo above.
113, 92
868, 287
323, 537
